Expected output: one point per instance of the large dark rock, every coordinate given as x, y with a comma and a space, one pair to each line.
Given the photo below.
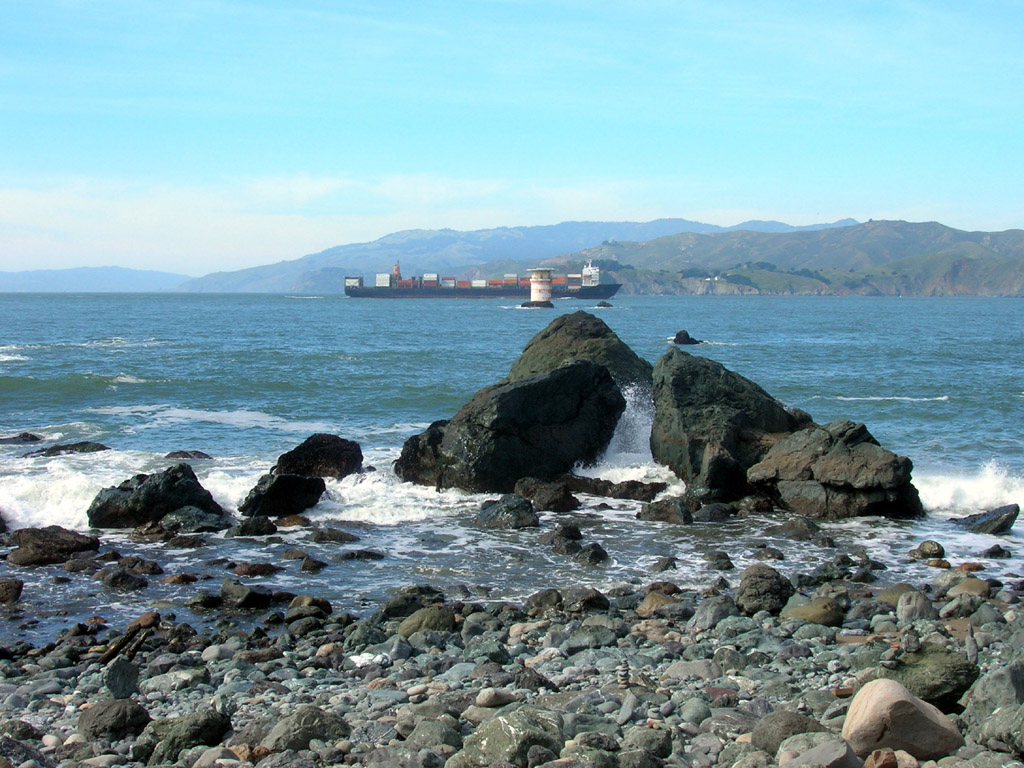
581, 336
49, 545
165, 739
321, 455
837, 471
61, 450
113, 719
538, 427
146, 498
711, 424
996, 521
282, 495
762, 588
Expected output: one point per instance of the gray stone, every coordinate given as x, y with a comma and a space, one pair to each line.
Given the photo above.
996, 521
835, 753
776, 727
121, 678
508, 738
112, 719
307, 722
762, 588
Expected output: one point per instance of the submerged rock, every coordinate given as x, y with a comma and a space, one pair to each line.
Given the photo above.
86, 446
21, 439
538, 427
711, 424
146, 498
837, 471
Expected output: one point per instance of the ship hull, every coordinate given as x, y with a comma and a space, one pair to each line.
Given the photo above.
604, 291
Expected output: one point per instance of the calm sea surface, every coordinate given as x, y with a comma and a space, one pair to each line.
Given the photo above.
246, 377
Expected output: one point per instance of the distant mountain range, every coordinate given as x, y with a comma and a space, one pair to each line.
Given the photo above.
663, 256
453, 252
89, 280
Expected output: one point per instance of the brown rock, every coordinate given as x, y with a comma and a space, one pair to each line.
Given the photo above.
256, 569
10, 590
652, 603
978, 587
146, 620
821, 610
882, 758
885, 714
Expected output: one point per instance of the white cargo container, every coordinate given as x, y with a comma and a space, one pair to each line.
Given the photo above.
479, 283
431, 276
353, 282
383, 280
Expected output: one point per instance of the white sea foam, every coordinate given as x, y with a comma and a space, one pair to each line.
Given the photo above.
124, 378
163, 415
383, 499
963, 494
6, 357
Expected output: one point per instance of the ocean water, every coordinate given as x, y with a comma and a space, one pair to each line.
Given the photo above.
246, 377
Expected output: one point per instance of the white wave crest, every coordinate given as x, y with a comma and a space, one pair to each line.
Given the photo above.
962, 494
162, 415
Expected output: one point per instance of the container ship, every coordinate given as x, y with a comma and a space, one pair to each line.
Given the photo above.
391, 285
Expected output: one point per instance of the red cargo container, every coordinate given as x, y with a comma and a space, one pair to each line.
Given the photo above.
494, 283
430, 283
463, 284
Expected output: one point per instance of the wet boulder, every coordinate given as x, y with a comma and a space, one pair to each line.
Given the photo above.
536, 427
996, 522
509, 512
20, 439
837, 471
581, 336
49, 545
321, 455
547, 496
711, 424
86, 446
146, 498
282, 495
683, 338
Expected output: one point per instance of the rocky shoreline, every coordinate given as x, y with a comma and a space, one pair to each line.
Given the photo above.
755, 673
762, 668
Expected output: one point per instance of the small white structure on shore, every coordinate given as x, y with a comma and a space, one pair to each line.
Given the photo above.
540, 285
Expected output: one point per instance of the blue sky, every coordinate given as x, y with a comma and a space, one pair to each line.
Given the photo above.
203, 135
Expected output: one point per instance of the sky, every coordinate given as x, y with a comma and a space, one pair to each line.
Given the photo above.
197, 136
